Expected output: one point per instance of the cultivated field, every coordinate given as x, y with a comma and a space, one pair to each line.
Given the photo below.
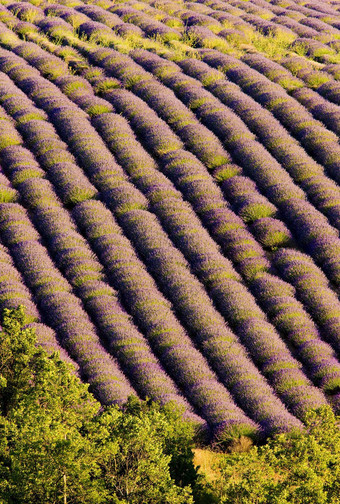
170, 200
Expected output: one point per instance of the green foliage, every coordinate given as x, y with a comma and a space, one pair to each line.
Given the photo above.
295, 468
8, 194
58, 445
132, 446
43, 453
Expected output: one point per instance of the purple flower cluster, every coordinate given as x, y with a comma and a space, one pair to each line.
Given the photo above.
66, 13
154, 316
48, 64
314, 49
62, 309
312, 288
320, 26
191, 18
259, 9
149, 25
225, 17
97, 32
23, 9
331, 91
247, 202
100, 15
295, 26
314, 232
13, 290
80, 92
201, 36
264, 26
271, 233
55, 27
333, 69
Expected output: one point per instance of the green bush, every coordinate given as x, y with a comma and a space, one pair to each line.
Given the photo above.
57, 445
295, 468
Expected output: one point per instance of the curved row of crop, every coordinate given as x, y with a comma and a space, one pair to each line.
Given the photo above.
69, 133
72, 254
60, 307
109, 192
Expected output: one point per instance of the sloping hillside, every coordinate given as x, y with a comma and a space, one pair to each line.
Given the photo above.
170, 201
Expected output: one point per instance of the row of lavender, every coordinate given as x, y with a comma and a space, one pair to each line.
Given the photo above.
127, 216
210, 23
121, 210
248, 329
208, 395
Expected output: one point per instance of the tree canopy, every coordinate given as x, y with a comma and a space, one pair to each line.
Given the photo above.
59, 445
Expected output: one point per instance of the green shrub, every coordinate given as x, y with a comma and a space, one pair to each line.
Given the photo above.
295, 468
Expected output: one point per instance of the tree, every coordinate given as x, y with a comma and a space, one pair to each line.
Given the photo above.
43, 455
134, 465
58, 445
295, 468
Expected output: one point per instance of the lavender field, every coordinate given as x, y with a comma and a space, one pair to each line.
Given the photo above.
170, 200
